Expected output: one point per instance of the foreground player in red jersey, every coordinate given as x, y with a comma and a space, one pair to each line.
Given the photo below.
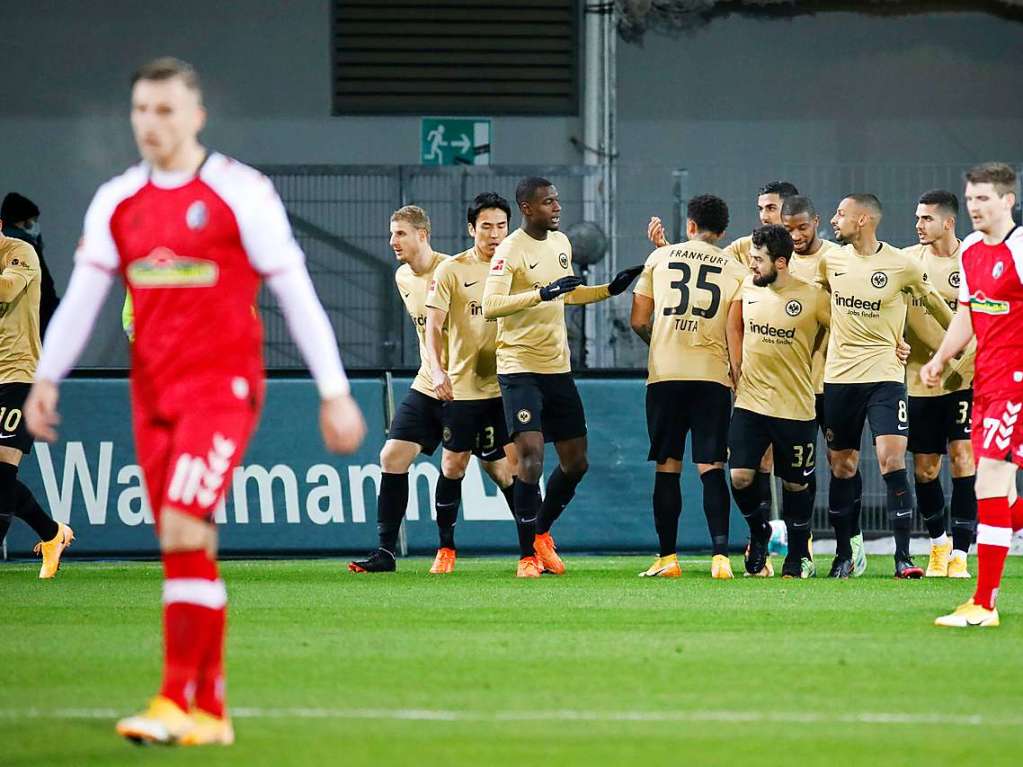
991, 294
191, 233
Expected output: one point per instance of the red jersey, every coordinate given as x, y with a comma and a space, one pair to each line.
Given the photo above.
191, 250
991, 285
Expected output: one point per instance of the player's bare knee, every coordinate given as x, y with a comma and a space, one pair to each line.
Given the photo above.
530, 466
499, 471
396, 456
742, 478
926, 467
889, 462
453, 465
960, 460
844, 463
183, 532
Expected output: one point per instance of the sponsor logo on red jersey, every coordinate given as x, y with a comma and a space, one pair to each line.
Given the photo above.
163, 268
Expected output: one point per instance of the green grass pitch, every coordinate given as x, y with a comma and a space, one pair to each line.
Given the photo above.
478, 668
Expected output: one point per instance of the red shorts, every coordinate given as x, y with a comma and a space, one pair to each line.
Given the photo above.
189, 443
998, 428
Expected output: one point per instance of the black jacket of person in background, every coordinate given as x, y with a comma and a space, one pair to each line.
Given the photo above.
17, 209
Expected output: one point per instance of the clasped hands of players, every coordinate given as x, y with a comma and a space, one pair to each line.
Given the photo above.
341, 421
619, 283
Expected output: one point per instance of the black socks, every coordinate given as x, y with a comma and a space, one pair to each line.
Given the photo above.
900, 510
560, 490
667, 510
391, 504
716, 508
448, 498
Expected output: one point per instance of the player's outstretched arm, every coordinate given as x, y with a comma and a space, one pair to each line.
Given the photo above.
958, 335
586, 294
66, 336
435, 319
341, 421
497, 298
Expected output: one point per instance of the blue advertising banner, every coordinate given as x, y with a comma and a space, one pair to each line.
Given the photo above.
290, 496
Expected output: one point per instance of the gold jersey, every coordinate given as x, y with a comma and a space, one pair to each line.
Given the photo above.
740, 250
780, 327
692, 286
805, 268
413, 289
457, 288
868, 311
531, 334
923, 333
19, 311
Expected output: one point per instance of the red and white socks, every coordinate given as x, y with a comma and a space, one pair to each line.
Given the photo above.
994, 532
194, 611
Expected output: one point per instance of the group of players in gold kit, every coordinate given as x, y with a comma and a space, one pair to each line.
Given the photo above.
753, 348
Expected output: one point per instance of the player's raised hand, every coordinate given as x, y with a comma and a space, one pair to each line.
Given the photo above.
41, 416
560, 287
341, 424
442, 385
902, 351
623, 279
655, 232
930, 373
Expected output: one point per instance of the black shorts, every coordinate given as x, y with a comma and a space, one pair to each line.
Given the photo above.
418, 419
794, 443
818, 406
936, 421
544, 402
475, 425
12, 418
675, 408
848, 406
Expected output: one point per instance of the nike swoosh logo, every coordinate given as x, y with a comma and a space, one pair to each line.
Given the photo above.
903, 428
967, 431
901, 514
469, 284
406, 295
752, 302
808, 472
7, 436
838, 274
533, 266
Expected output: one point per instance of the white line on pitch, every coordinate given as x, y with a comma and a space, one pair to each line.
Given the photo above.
559, 715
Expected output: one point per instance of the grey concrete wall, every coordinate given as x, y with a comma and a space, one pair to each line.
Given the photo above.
739, 102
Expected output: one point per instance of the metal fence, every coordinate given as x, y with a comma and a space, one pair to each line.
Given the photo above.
341, 216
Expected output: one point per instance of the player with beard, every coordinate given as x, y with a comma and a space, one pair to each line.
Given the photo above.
939, 418
770, 199
776, 326
864, 380
530, 281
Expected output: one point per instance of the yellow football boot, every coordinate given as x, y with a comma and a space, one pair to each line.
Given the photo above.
444, 562
51, 550
957, 565
937, 565
969, 614
162, 722
721, 568
663, 567
208, 730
